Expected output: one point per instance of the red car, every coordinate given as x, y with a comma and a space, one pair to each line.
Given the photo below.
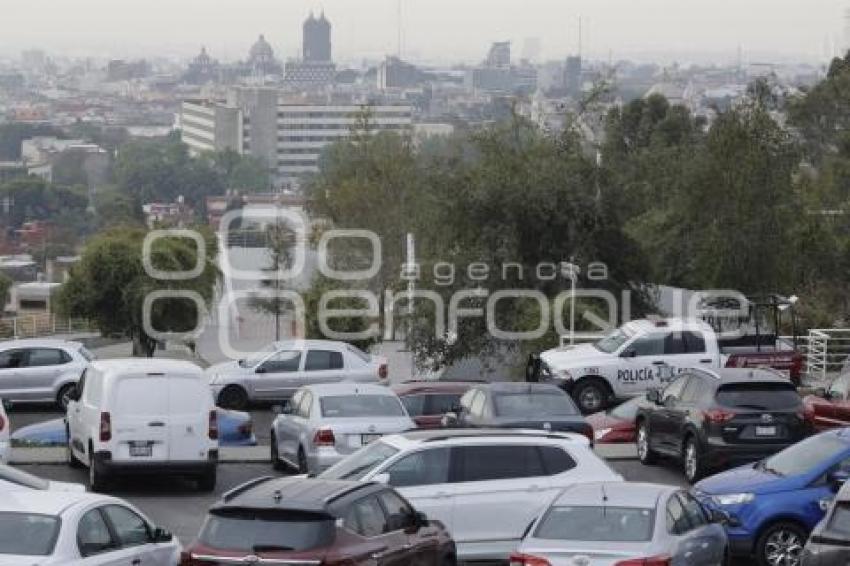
617, 424
428, 401
832, 408
318, 522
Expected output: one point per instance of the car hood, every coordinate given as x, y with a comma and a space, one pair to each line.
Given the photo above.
571, 356
747, 479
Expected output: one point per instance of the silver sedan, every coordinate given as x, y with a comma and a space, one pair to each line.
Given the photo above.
602, 524
325, 423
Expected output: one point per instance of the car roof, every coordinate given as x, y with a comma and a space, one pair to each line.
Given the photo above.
725, 376
145, 366
615, 494
312, 495
429, 386
39, 342
666, 325
494, 435
515, 387
333, 344
348, 388
47, 502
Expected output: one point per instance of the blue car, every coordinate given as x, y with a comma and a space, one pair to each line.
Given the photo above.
235, 428
775, 503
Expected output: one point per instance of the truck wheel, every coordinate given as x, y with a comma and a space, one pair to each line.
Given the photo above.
645, 454
591, 396
207, 481
233, 397
693, 460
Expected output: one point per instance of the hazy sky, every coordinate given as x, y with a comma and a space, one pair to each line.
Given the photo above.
433, 29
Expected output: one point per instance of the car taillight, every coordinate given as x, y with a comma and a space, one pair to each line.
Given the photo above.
718, 417
663, 560
105, 427
324, 437
383, 371
518, 559
186, 559
213, 428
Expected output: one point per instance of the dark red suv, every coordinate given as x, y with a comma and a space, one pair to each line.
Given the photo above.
428, 401
318, 522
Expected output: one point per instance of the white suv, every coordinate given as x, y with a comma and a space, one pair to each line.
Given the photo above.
143, 416
486, 486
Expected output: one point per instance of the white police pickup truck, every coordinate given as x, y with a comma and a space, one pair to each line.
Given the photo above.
648, 354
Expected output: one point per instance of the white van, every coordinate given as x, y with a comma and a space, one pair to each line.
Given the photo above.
142, 415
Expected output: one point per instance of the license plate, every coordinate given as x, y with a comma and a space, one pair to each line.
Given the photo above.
765, 431
141, 449
369, 438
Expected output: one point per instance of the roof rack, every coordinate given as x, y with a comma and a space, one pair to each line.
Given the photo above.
238, 490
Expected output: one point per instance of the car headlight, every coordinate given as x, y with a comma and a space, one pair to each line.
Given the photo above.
564, 374
734, 498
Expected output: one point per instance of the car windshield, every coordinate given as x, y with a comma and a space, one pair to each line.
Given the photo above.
534, 405
612, 342
256, 531
430, 404
353, 406
626, 411
356, 466
759, 396
28, 534
597, 524
258, 357
12, 475
805, 456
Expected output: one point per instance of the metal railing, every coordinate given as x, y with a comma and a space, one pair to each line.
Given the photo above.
825, 351
40, 325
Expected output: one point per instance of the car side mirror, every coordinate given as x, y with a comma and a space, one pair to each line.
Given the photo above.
837, 479
654, 396
260, 369
628, 353
161, 535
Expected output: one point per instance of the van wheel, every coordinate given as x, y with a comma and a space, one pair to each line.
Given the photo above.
63, 397
645, 454
303, 468
781, 544
277, 464
207, 481
97, 477
693, 461
591, 395
233, 397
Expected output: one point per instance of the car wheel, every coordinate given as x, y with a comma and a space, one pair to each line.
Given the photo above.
303, 468
63, 397
449, 560
590, 396
781, 545
207, 481
233, 397
692, 461
645, 453
72, 460
97, 477
277, 463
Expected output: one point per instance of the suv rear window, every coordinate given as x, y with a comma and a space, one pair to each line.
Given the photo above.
759, 396
534, 405
249, 530
28, 534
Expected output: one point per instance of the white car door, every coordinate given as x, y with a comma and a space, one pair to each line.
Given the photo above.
97, 546
422, 477
279, 376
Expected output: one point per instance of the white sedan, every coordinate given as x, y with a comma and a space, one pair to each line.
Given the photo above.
5, 427
79, 529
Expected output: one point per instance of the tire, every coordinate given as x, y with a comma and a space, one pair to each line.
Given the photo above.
781, 544
98, 479
303, 467
645, 454
277, 463
62, 398
233, 397
207, 481
449, 560
591, 395
692, 460
72, 460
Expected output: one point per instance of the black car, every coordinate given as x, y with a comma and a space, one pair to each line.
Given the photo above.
519, 405
713, 419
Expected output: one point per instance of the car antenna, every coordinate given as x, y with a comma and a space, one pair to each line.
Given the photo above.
604, 500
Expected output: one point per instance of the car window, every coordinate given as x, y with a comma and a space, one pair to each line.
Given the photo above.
477, 408
759, 396
693, 510
596, 524
556, 460
556, 404
839, 522
245, 529
692, 389
130, 529
359, 406
484, 463
46, 357
426, 467
282, 362
93, 536
651, 345
694, 342
675, 389
360, 463
399, 514
11, 359
306, 405
414, 405
674, 343
466, 400
28, 534
318, 360
366, 518
677, 520
441, 403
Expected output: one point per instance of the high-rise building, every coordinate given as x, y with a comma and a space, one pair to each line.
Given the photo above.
499, 55
572, 75
317, 40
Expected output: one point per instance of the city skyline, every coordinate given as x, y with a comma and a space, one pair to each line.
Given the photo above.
439, 31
